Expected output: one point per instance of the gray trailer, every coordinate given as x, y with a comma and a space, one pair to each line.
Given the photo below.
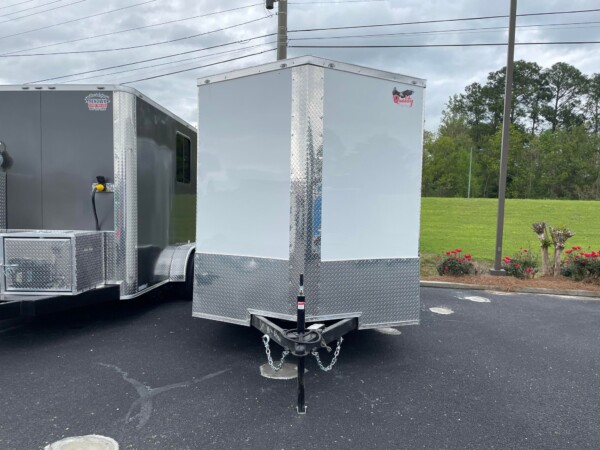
97, 197
309, 189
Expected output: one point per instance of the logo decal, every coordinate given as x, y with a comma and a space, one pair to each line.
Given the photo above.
403, 98
97, 101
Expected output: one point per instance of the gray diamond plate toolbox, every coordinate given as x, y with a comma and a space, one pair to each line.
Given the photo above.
309, 166
55, 262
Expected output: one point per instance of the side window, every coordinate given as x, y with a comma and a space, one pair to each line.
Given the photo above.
184, 156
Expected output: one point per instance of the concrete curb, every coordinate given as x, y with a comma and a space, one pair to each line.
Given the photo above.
479, 287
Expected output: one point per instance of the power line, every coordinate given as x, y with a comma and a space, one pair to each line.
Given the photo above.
334, 3
491, 44
153, 59
174, 62
421, 22
33, 7
136, 46
122, 31
76, 20
16, 4
200, 67
455, 30
44, 11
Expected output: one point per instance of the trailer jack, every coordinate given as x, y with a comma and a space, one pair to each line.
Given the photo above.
302, 342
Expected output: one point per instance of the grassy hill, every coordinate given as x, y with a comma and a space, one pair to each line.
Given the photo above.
470, 224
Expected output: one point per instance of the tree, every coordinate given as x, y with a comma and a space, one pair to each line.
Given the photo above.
566, 84
592, 104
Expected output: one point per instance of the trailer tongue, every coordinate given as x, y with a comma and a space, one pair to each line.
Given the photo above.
309, 169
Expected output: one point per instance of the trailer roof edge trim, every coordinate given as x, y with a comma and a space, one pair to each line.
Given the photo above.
93, 87
315, 61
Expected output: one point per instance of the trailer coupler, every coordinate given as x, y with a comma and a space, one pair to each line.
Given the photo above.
302, 342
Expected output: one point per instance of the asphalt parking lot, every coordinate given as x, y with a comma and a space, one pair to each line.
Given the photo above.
519, 371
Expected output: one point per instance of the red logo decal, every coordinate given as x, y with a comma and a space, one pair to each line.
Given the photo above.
403, 98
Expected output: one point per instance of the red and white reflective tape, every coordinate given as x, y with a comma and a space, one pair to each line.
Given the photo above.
300, 305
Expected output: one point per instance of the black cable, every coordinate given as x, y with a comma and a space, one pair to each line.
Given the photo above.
421, 22
94, 208
75, 20
334, 3
172, 62
44, 11
153, 59
28, 9
140, 46
200, 67
455, 30
16, 4
445, 45
113, 32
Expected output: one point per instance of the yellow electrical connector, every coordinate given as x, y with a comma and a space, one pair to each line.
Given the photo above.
99, 187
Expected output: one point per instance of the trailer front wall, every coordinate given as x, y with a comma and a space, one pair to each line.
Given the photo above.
354, 152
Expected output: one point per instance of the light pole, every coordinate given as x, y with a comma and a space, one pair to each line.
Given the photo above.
470, 165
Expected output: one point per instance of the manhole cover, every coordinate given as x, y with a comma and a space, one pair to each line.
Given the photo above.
90, 442
389, 330
477, 299
441, 310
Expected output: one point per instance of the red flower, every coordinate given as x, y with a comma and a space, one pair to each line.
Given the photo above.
445, 268
448, 253
526, 251
507, 259
468, 257
568, 252
516, 264
458, 250
577, 247
528, 270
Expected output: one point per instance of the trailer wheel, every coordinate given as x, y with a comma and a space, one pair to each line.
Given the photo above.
186, 291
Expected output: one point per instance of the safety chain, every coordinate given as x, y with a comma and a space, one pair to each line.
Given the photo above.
276, 368
315, 353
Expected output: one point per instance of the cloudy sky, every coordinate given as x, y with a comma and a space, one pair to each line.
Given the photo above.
83, 41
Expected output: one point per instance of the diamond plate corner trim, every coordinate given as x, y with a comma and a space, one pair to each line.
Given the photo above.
386, 290
2, 200
126, 204
89, 260
306, 184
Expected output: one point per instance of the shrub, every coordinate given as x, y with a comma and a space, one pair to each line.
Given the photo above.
581, 265
454, 262
521, 265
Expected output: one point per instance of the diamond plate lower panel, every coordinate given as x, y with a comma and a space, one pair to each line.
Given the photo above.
383, 291
226, 287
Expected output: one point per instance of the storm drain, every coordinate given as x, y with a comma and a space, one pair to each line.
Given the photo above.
90, 442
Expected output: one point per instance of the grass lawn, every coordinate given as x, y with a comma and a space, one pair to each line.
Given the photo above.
470, 224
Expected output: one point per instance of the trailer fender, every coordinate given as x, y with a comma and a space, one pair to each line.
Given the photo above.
179, 262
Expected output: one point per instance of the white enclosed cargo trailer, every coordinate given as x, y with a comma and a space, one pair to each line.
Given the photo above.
309, 169
97, 196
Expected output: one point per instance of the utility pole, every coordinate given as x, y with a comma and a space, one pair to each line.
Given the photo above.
281, 27
497, 270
